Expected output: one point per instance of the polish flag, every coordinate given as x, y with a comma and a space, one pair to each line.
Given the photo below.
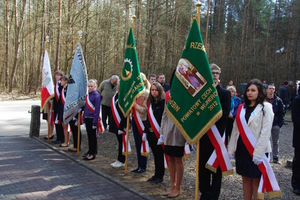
47, 92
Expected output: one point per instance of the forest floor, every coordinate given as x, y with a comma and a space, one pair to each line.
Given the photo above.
231, 185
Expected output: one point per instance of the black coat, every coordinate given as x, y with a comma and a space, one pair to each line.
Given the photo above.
158, 110
112, 124
296, 121
225, 100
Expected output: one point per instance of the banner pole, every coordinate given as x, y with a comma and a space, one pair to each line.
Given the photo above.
127, 137
48, 125
78, 132
198, 4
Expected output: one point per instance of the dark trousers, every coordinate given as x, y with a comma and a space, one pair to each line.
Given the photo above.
209, 182
59, 132
158, 154
91, 133
121, 157
106, 113
74, 130
142, 160
296, 169
228, 130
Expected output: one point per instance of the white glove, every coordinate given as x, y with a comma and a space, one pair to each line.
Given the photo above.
194, 147
257, 160
79, 110
160, 140
144, 137
231, 156
84, 125
120, 132
94, 127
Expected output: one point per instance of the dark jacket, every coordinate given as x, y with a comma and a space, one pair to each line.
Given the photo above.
166, 86
158, 110
284, 95
112, 124
296, 121
278, 111
225, 100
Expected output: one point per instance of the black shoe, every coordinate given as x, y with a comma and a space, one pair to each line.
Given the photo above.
135, 170
296, 191
84, 155
276, 160
151, 179
92, 158
140, 171
157, 180
57, 142
50, 138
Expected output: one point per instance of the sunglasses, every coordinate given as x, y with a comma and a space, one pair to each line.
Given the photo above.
216, 73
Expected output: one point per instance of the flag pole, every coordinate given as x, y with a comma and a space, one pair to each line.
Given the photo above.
79, 114
48, 114
197, 4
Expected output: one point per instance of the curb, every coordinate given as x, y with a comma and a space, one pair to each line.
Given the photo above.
110, 178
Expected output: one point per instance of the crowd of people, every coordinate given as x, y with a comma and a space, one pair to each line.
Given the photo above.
260, 112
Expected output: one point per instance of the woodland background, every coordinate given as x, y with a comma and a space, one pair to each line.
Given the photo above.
241, 36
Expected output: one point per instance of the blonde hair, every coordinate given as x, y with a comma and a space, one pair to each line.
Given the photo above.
145, 81
231, 87
94, 81
215, 66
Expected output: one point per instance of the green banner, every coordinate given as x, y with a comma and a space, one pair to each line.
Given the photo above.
131, 82
194, 104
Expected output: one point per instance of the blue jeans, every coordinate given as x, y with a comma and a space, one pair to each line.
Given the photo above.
275, 140
142, 160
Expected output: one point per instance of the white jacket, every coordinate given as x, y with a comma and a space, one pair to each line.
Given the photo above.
260, 125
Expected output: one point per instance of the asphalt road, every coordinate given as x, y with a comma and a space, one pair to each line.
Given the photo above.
15, 119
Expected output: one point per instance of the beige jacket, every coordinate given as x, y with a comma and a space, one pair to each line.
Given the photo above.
141, 104
260, 125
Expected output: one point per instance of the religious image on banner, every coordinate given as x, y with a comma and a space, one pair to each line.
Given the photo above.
194, 105
77, 86
190, 77
47, 91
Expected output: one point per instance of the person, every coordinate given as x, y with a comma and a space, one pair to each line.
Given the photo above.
235, 102
140, 106
296, 144
292, 92
258, 118
107, 89
64, 83
117, 127
74, 129
91, 117
156, 106
161, 79
174, 148
47, 109
57, 94
152, 78
284, 94
277, 106
210, 189
230, 83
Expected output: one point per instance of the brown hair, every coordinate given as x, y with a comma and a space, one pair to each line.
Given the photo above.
160, 90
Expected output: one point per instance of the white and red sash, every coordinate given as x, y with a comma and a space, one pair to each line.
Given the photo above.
156, 129
219, 156
91, 107
56, 92
268, 180
117, 119
63, 97
139, 123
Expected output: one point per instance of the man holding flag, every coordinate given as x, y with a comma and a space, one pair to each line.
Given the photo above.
197, 103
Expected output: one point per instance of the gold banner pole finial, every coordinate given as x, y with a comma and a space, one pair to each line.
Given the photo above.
80, 35
198, 4
132, 25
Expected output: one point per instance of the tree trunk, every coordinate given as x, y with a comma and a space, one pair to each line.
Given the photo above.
58, 37
7, 45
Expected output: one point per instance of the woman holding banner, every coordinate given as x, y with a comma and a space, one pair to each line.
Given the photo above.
253, 118
156, 106
91, 118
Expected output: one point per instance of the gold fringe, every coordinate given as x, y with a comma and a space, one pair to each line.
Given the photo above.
211, 168
124, 153
186, 156
145, 154
166, 169
260, 195
47, 100
274, 194
227, 173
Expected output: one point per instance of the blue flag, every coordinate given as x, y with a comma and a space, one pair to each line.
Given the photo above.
77, 86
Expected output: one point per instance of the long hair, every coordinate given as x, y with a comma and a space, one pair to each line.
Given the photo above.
161, 93
145, 81
261, 93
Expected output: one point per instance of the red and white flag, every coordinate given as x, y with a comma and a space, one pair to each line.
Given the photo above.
47, 92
